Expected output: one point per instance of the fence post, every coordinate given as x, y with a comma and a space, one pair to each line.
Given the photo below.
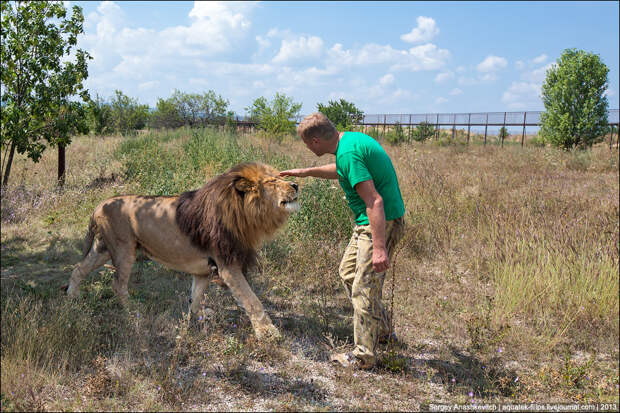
486, 125
468, 127
409, 127
437, 128
523, 134
504, 129
384, 122
453, 125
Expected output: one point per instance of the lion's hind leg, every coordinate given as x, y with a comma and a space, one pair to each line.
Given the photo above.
96, 257
199, 285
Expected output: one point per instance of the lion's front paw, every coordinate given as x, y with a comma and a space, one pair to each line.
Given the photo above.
268, 332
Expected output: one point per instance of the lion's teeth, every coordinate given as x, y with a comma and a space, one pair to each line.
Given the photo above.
292, 206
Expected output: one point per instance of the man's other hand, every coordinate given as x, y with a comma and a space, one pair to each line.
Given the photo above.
380, 260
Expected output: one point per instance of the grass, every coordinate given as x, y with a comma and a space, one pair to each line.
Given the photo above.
505, 286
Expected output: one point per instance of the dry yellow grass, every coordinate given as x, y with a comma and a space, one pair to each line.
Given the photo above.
506, 285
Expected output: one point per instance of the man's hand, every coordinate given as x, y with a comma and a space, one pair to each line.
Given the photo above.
294, 172
380, 261
325, 171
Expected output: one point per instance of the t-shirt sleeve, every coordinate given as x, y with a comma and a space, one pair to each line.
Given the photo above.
354, 169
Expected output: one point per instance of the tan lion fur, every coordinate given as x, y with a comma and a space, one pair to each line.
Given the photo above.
223, 223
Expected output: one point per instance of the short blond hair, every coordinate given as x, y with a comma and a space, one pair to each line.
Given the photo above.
317, 125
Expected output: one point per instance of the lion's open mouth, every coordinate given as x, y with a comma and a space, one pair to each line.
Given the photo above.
290, 205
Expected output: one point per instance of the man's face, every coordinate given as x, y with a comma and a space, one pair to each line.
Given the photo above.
316, 145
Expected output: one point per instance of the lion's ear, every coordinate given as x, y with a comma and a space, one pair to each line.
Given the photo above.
244, 185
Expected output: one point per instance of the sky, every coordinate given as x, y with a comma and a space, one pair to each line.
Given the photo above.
385, 57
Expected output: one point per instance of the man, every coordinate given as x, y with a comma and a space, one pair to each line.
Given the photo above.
367, 176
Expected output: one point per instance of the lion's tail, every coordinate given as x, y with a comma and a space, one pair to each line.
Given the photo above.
90, 236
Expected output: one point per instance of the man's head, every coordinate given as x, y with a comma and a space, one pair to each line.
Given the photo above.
318, 133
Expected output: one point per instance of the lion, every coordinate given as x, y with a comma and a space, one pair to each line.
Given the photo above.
210, 232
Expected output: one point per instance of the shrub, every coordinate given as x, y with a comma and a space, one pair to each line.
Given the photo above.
276, 117
397, 135
575, 103
127, 114
99, 116
343, 114
423, 131
503, 134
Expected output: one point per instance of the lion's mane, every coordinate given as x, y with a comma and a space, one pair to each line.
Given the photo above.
222, 217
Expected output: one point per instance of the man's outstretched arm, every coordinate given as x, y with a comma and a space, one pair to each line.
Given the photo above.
325, 171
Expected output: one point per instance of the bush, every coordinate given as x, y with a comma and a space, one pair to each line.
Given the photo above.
538, 141
423, 131
276, 117
397, 135
99, 116
324, 214
343, 114
127, 114
166, 115
575, 103
503, 134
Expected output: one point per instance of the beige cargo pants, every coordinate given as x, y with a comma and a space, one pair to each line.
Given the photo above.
365, 288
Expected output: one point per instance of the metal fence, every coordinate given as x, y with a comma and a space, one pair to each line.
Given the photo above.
490, 121
495, 120
466, 119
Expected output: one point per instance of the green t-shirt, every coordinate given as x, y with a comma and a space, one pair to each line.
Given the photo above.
360, 158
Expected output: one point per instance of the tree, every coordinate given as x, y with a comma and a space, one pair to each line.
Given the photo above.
575, 103
423, 131
99, 114
276, 117
343, 114
397, 135
195, 109
42, 77
214, 107
503, 134
166, 115
127, 114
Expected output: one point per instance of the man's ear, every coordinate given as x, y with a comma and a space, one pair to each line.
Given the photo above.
244, 185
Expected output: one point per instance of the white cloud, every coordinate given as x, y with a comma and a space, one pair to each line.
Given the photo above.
488, 77
491, 64
440, 100
148, 85
540, 59
387, 79
520, 65
536, 75
423, 57
460, 69
522, 96
215, 27
424, 32
373, 53
467, 81
300, 48
123, 56
609, 93
456, 91
443, 76
263, 43
340, 56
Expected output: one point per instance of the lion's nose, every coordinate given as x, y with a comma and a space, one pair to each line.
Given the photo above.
294, 185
